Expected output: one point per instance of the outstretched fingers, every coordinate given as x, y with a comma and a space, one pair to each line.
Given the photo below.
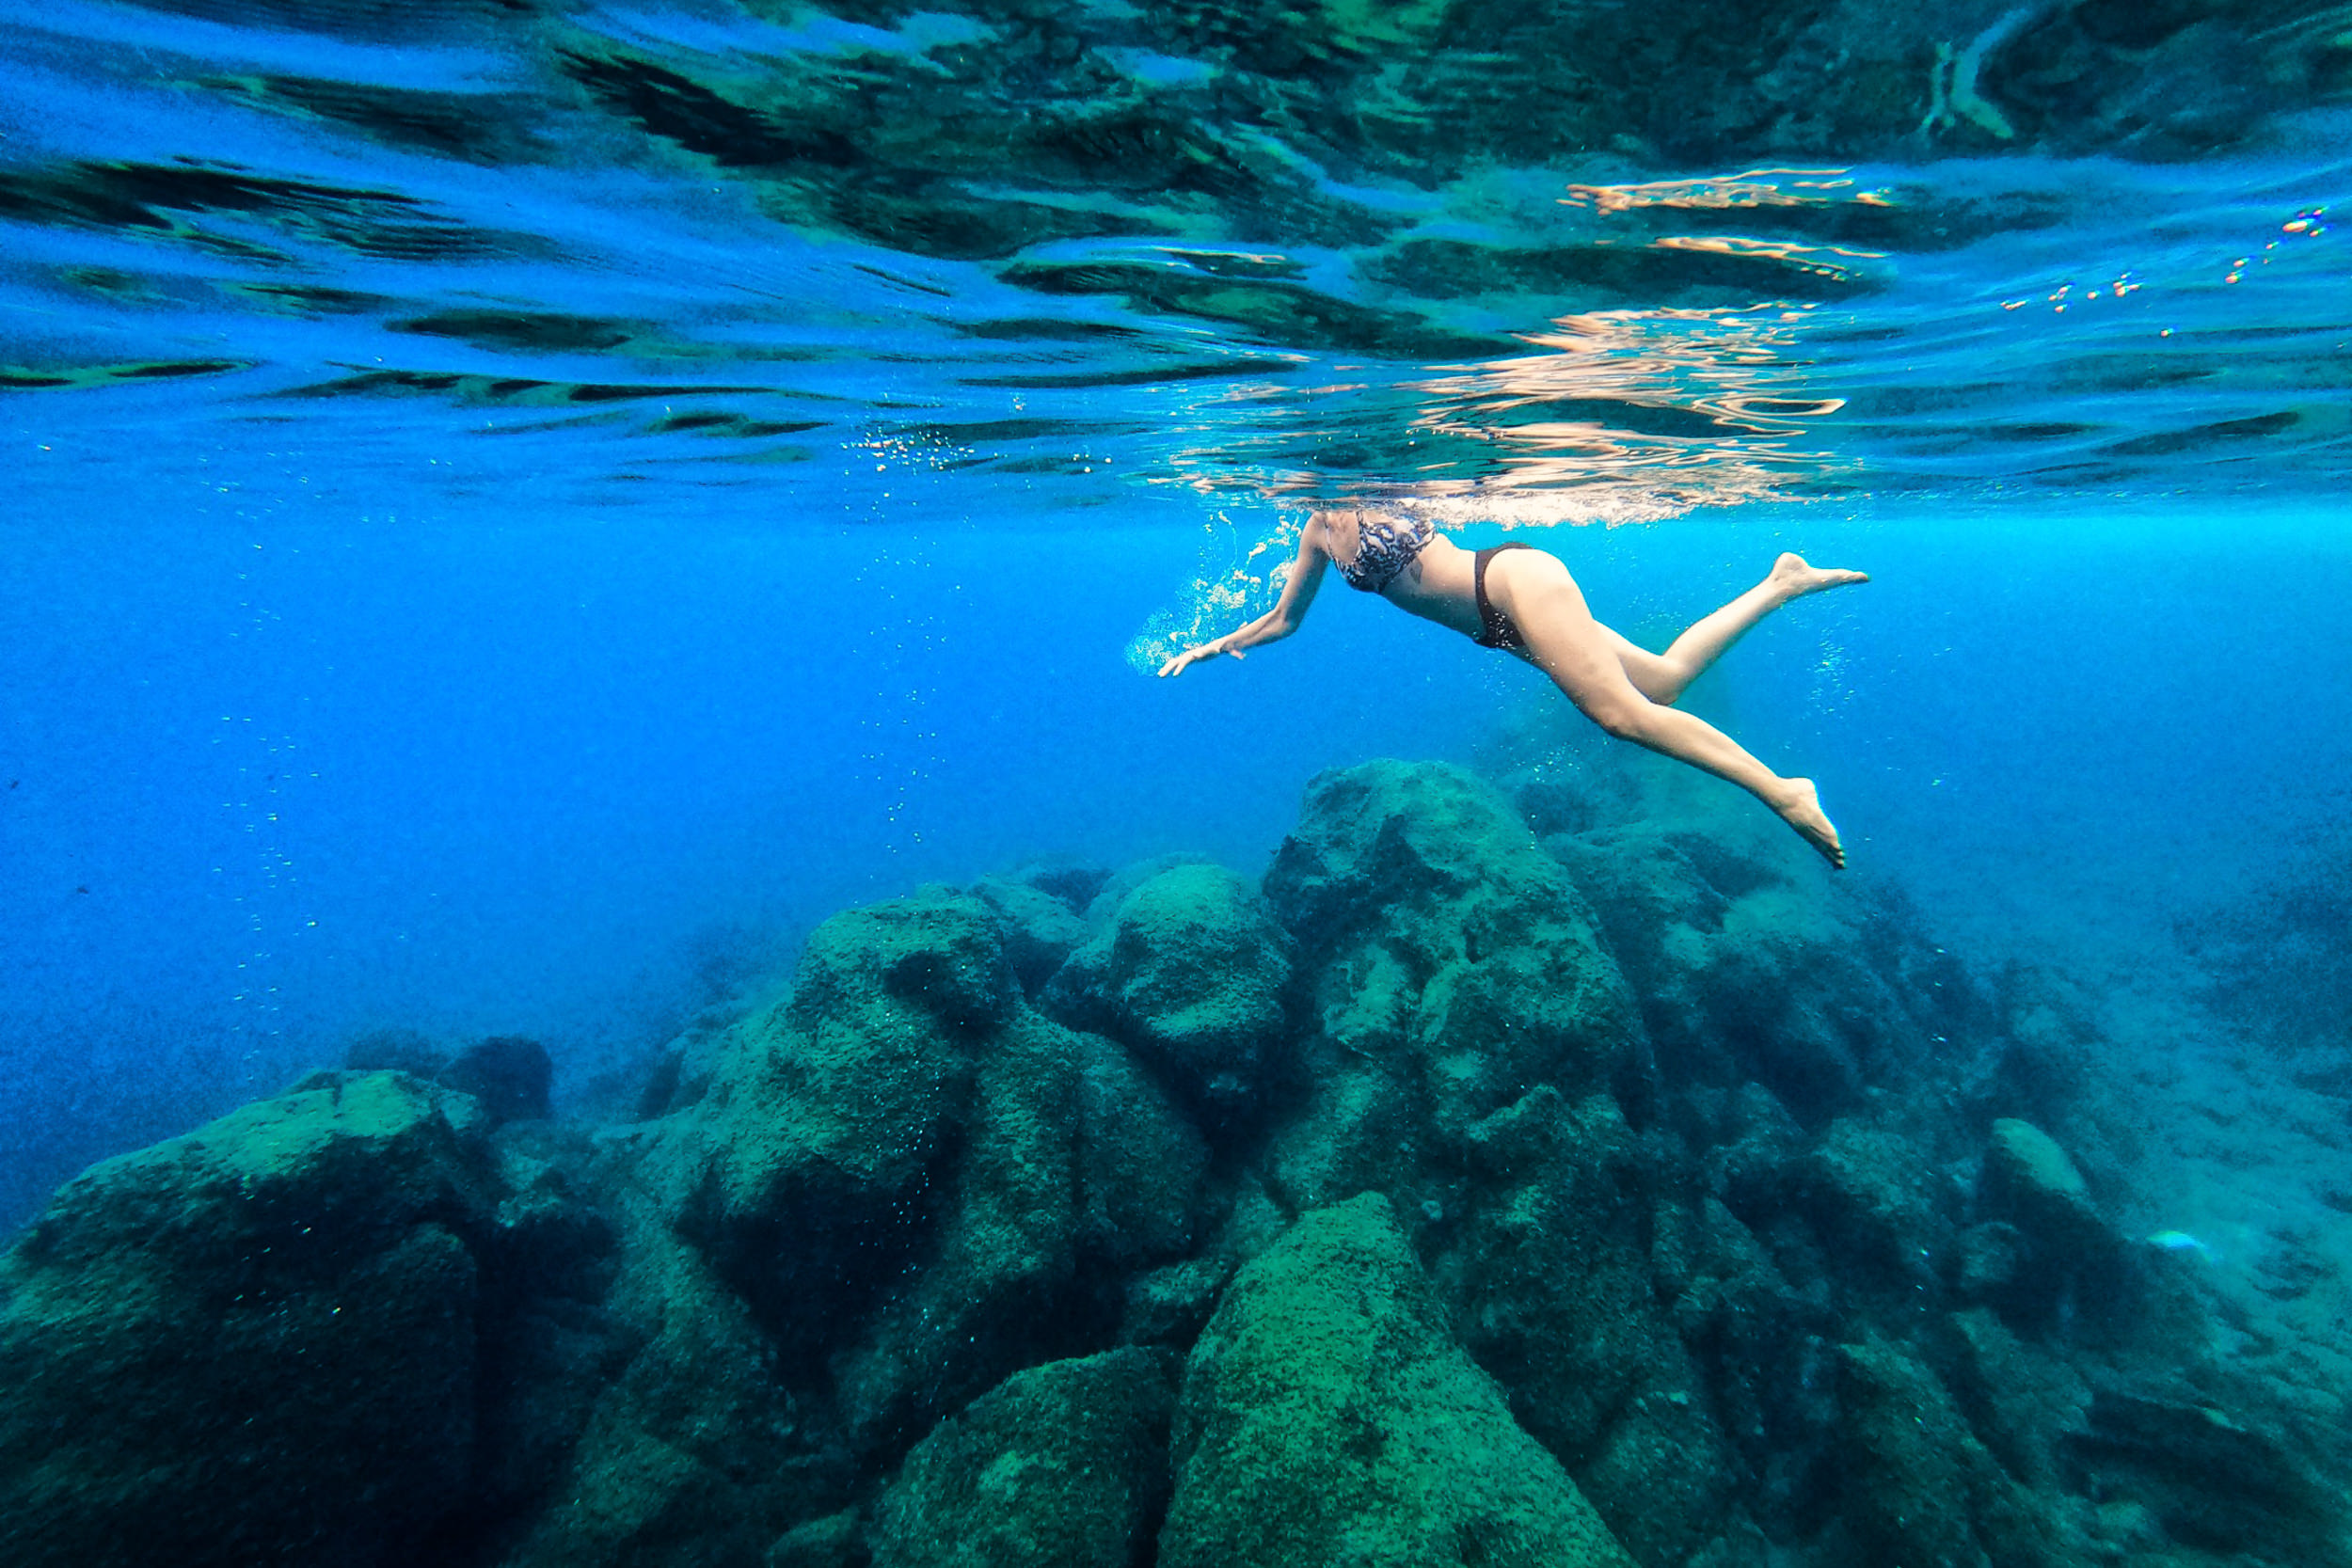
1178, 664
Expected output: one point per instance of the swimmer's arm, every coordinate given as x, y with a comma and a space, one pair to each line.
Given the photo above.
1276, 624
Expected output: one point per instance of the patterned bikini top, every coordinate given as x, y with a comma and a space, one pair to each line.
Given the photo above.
1384, 547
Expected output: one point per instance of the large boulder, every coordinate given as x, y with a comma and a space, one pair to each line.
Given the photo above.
1752, 969
697, 1448
1451, 966
512, 1076
1141, 1163
828, 1113
1875, 1199
1556, 1294
255, 1343
978, 1298
1039, 927
1328, 1416
2069, 1258
1063, 1465
1190, 973
899, 1167
1919, 1486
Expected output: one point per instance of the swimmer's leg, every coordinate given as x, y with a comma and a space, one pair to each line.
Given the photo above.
1581, 657
1660, 677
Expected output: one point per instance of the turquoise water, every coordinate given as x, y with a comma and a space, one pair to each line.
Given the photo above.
630, 541
516, 515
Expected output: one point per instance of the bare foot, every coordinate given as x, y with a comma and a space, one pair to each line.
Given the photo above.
1800, 808
1795, 578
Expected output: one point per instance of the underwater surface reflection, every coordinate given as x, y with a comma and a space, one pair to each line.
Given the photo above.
576, 596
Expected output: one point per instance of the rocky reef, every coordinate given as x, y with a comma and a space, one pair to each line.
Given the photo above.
1550, 1168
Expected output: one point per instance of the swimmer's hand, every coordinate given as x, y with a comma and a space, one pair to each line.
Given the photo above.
1200, 651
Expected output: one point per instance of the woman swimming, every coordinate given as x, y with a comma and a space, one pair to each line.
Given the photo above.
1521, 600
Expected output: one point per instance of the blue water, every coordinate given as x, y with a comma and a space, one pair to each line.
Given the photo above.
503, 570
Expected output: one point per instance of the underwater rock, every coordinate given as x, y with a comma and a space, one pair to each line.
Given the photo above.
1169, 1305
1327, 1416
1039, 928
2050, 1040
1992, 1260
1140, 1163
979, 1302
395, 1050
1765, 1343
835, 1541
884, 1167
901, 1169
827, 1113
1919, 1485
1553, 1272
695, 1449
1751, 968
2030, 1181
854, 1287
2021, 1400
2212, 1479
511, 1076
2073, 1257
1112, 890
1756, 1160
1557, 1298
1873, 1197
1451, 965
257, 1343
1063, 1465
1190, 974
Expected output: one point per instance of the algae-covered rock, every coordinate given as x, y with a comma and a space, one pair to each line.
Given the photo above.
1919, 1487
1063, 1465
1189, 973
255, 1343
883, 1167
1112, 890
1751, 969
2021, 1399
1555, 1278
1554, 1274
1874, 1198
1328, 1417
828, 1112
883, 1226
697, 1448
1039, 928
835, 1541
2031, 1181
510, 1075
1170, 1305
976, 1301
2213, 1478
1453, 966
2072, 1258
1140, 1163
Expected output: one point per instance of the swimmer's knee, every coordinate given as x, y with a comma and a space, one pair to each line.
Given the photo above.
1622, 720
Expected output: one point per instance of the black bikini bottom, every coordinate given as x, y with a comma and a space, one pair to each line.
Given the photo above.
1495, 630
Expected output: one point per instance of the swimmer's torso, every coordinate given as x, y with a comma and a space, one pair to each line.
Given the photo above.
1433, 580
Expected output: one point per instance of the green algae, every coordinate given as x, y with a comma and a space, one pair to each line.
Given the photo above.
1328, 1417
1190, 972
278, 1315
1062, 1465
